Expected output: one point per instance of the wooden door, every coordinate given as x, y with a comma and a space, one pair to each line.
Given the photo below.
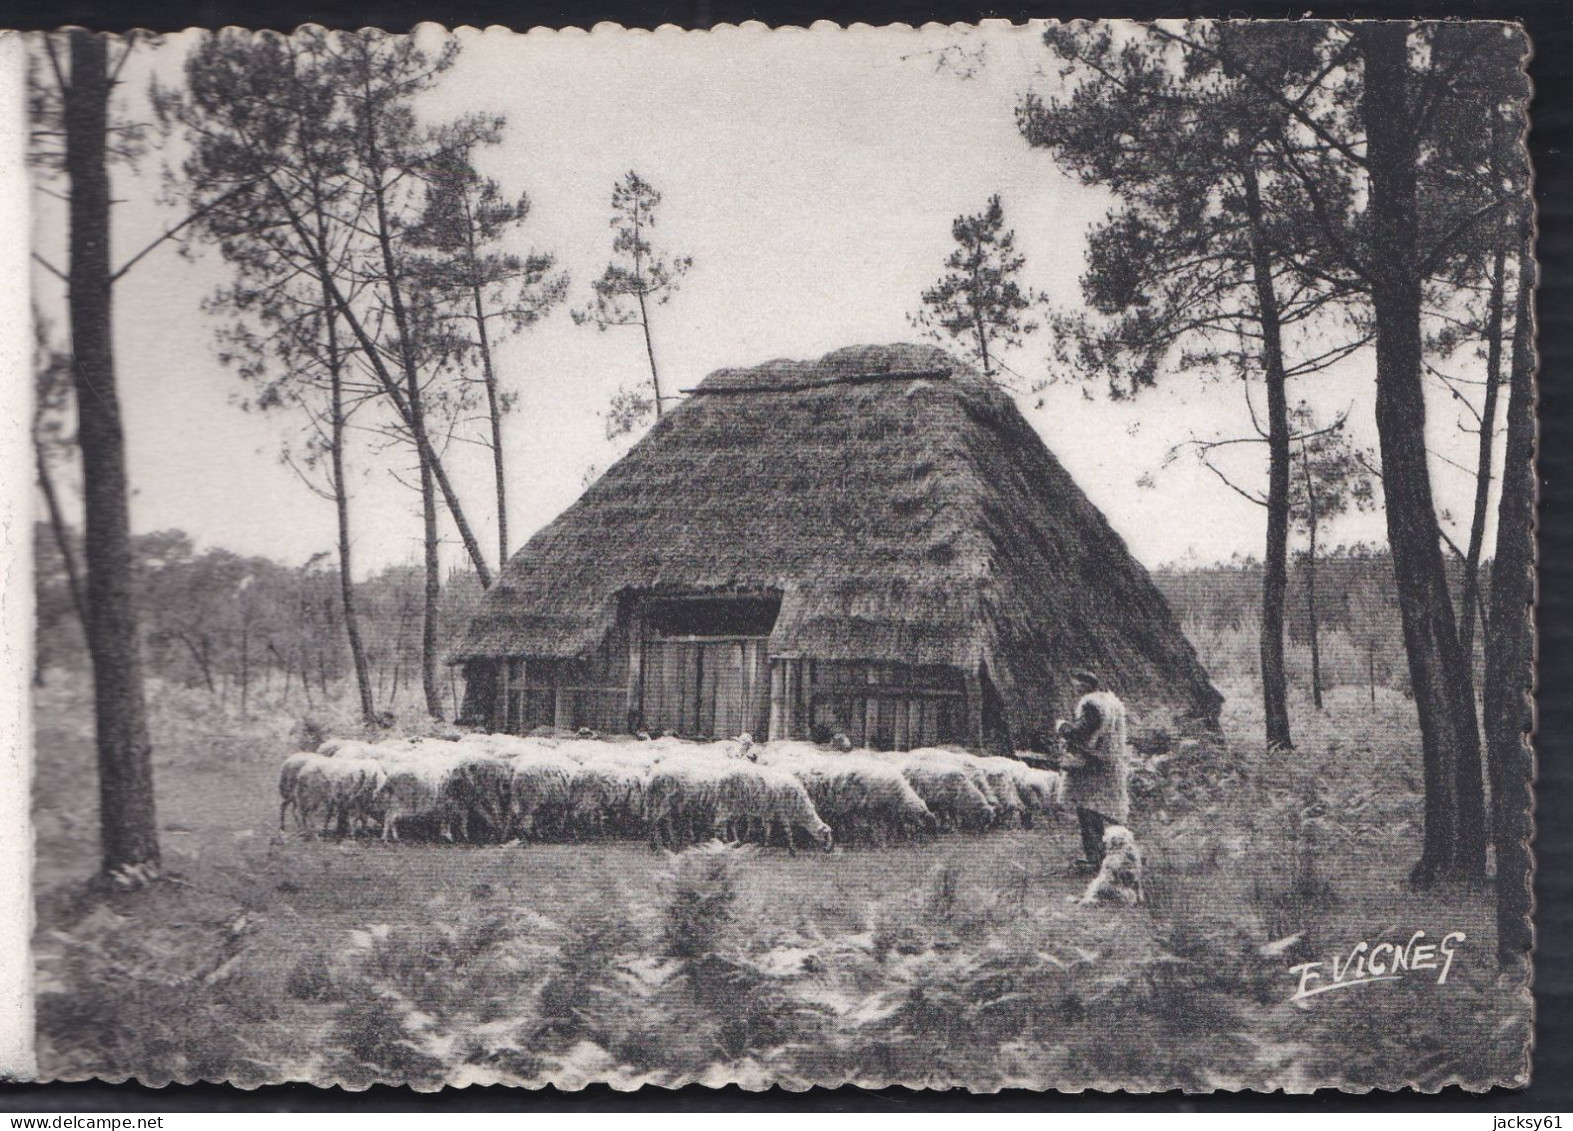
704, 687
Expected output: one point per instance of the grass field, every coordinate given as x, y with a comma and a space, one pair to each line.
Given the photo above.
265, 958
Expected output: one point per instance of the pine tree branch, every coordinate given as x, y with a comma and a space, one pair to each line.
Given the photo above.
1294, 106
1330, 358
171, 233
51, 268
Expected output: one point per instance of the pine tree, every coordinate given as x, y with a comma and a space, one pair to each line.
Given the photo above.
1207, 262
1329, 476
486, 288
641, 275
978, 300
127, 818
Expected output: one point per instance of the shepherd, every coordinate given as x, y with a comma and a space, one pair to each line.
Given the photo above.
1096, 763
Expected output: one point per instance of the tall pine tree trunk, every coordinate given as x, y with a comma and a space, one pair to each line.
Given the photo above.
1310, 581
127, 821
1316, 634
245, 670
1469, 601
649, 348
431, 605
341, 500
1275, 564
416, 418
494, 413
341, 504
1455, 831
371, 353
1510, 638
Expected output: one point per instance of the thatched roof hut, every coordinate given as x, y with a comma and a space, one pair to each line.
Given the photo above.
876, 542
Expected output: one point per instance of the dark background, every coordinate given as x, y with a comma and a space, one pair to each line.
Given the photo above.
1550, 25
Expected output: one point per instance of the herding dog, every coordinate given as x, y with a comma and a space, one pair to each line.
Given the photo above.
1119, 877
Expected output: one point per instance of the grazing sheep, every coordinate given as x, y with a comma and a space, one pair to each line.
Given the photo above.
418, 788
608, 791
1119, 878
742, 802
952, 759
1041, 791
752, 800
493, 786
354, 784
289, 779
350, 748
891, 807
949, 793
861, 798
313, 794
540, 792
1012, 786
481, 790
1009, 805
681, 799
787, 803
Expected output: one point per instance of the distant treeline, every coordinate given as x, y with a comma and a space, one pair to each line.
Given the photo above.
235, 625
1219, 607
232, 624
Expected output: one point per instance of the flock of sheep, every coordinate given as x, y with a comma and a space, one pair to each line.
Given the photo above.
499, 788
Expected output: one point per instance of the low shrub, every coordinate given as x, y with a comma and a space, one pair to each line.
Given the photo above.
700, 891
309, 978
118, 998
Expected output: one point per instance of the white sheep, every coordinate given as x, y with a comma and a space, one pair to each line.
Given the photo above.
949, 793
951, 758
860, 797
742, 804
787, 803
1040, 791
1006, 784
313, 794
540, 793
681, 799
481, 790
289, 781
351, 748
608, 790
418, 787
354, 785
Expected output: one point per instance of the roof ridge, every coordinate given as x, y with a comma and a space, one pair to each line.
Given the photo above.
822, 382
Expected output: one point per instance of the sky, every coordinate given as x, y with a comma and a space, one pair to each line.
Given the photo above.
811, 174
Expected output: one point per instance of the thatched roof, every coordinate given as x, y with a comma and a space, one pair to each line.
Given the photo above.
901, 505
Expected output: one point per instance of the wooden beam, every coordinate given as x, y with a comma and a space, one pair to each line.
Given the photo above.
635, 670
777, 728
974, 709
499, 715
790, 677
885, 690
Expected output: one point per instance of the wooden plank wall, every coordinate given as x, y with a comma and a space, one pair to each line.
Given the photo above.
706, 687
722, 687
558, 693
881, 706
